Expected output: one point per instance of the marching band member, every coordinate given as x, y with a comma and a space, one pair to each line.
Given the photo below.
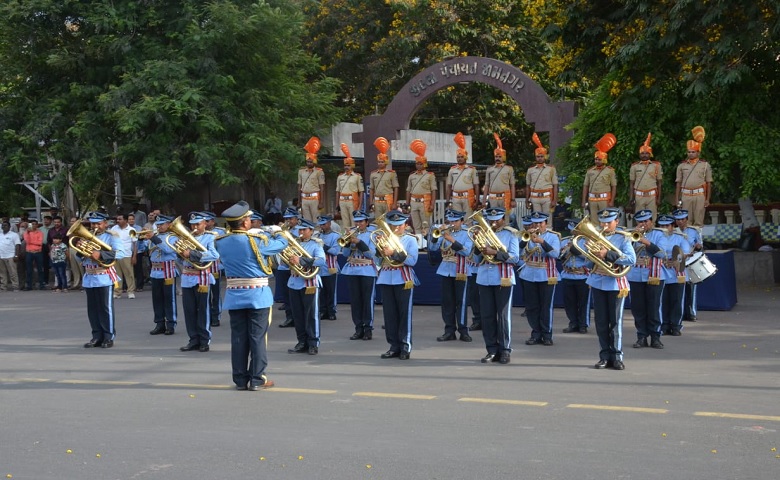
455, 247
576, 294
609, 292
360, 271
693, 235
305, 292
598, 191
99, 283
499, 189
248, 298
646, 281
195, 286
311, 183
397, 284
496, 283
282, 272
420, 188
349, 189
215, 294
540, 276
383, 182
257, 222
330, 274
462, 187
163, 276
541, 180
673, 297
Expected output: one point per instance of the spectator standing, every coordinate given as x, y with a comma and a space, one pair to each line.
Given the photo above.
126, 257
140, 215
10, 247
45, 251
141, 249
33, 239
76, 272
273, 210
57, 228
58, 253
21, 262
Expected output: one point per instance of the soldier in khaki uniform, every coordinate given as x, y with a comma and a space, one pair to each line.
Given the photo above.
693, 182
541, 182
646, 181
499, 189
383, 182
600, 186
462, 186
420, 188
310, 183
349, 189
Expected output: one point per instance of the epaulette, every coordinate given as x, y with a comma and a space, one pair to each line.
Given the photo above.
314, 239
211, 232
553, 231
511, 230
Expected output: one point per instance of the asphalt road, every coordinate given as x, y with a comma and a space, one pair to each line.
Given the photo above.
706, 407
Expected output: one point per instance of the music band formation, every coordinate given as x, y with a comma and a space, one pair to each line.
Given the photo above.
480, 259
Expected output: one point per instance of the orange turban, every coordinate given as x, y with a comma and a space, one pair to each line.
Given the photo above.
312, 147
604, 145
499, 147
419, 147
383, 146
348, 160
646, 146
540, 150
698, 138
460, 141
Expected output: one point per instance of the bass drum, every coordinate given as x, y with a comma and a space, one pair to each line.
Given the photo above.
699, 267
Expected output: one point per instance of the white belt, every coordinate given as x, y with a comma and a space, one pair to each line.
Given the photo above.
496, 195
598, 195
461, 194
645, 193
693, 191
246, 283
419, 200
346, 197
311, 194
541, 194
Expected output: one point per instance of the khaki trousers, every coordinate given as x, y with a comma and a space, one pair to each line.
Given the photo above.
310, 209
380, 208
346, 213
646, 203
9, 280
594, 209
419, 215
541, 204
124, 268
695, 206
462, 204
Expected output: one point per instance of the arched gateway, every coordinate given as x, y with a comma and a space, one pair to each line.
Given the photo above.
544, 114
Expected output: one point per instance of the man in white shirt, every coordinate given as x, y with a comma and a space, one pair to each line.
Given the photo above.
10, 248
127, 256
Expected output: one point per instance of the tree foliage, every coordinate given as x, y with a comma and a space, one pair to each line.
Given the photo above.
668, 65
163, 90
375, 51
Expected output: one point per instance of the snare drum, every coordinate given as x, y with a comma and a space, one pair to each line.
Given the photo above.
699, 267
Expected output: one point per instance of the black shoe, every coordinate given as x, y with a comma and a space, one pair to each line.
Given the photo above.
533, 341
253, 387
571, 330
203, 348
446, 337
618, 365
314, 350
215, 323
475, 326
287, 323
283, 307
404, 355
676, 333
390, 354
490, 357
357, 336
656, 343
547, 342
329, 317
107, 344
465, 337
241, 387
503, 359
368, 334
93, 344
169, 330
583, 329
159, 328
640, 343
299, 348
602, 364
189, 347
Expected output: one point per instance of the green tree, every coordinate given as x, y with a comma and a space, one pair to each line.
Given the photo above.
162, 90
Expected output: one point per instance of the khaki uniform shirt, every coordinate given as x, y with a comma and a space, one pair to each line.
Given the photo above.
645, 175
693, 175
347, 183
499, 179
311, 180
383, 182
421, 183
600, 180
462, 179
541, 178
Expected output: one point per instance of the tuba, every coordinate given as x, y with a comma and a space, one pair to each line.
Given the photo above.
295, 249
595, 241
186, 241
483, 236
384, 237
88, 244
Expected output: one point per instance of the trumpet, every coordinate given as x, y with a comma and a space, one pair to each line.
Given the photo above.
595, 241
142, 235
636, 234
186, 241
87, 242
527, 235
483, 236
384, 237
441, 230
346, 238
295, 249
